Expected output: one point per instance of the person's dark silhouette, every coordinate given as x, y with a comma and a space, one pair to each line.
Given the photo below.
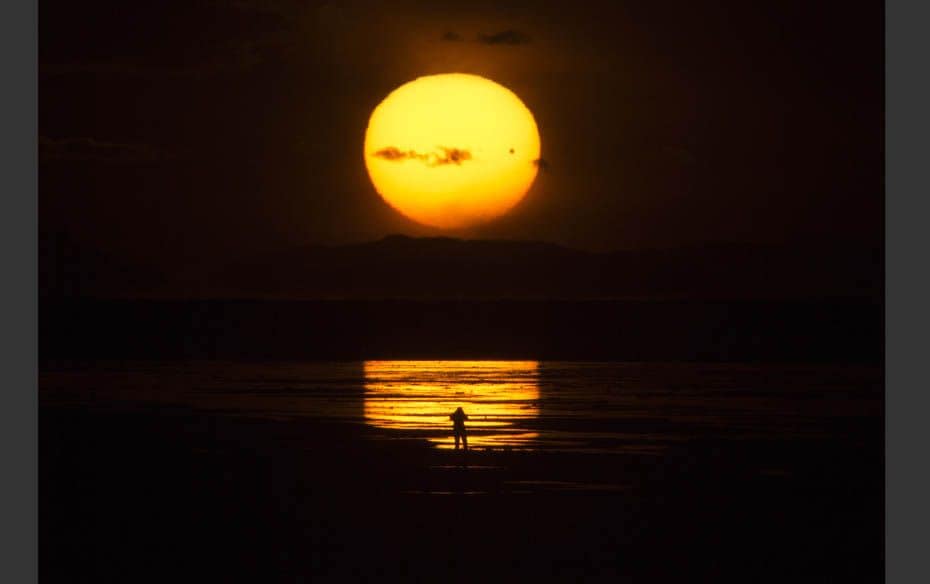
458, 418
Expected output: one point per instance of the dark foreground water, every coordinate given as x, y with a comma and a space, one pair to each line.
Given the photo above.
307, 471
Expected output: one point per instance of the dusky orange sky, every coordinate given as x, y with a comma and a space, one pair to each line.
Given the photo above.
178, 133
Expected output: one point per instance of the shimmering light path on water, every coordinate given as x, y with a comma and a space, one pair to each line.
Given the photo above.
499, 397
636, 408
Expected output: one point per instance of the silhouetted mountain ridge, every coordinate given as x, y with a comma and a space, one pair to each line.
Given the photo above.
398, 266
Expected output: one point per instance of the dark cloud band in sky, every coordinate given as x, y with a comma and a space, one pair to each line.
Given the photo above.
91, 149
505, 37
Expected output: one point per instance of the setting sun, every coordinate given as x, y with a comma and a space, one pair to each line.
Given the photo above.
452, 150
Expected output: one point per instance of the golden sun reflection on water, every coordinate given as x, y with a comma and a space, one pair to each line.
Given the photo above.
499, 397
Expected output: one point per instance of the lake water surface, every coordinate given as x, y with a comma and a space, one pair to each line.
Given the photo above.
523, 405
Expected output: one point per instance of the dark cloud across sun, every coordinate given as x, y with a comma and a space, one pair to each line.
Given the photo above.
441, 157
541, 164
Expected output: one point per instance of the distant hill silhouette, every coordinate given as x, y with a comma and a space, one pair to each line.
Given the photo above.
445, 268
400, 267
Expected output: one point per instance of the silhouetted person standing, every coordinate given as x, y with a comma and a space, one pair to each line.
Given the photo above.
458, 418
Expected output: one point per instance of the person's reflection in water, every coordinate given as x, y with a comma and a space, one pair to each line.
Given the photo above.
458, 418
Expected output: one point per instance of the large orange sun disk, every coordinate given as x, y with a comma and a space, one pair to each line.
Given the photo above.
452, 150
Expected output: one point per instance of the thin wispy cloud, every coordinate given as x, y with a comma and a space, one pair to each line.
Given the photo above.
452, 37
511, 37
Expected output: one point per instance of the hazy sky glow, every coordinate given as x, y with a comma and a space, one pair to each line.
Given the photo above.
182, 132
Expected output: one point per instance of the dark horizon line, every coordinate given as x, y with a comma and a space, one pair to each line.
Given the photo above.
817, 243
439, 300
